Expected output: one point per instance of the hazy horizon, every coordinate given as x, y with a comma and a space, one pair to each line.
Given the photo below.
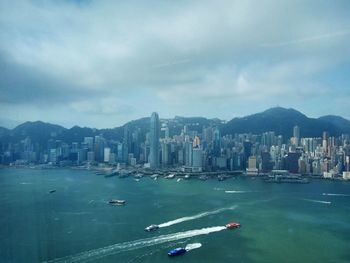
101, 64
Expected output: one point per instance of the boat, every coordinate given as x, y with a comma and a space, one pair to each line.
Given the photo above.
187, 176
117, 202
170, 176
138, 176
232, 225
151, 228
52, 191
177, 251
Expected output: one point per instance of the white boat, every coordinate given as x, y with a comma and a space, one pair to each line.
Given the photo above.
170, 176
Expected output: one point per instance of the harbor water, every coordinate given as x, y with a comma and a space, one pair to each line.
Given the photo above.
75, 223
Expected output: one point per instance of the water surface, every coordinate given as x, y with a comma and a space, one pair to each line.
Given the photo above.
280, 222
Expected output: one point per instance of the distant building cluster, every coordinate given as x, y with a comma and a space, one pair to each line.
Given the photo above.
193, 151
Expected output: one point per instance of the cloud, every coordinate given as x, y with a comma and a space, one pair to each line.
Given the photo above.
308, 39
106, 58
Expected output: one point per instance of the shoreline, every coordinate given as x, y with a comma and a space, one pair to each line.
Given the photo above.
132, 171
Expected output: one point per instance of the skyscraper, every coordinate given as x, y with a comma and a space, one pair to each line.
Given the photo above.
154, 141
296, 135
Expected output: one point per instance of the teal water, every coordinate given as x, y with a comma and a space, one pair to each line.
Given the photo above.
280, 222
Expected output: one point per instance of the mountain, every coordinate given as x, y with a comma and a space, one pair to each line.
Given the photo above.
3, 131
40, 132
281, 121
339, 122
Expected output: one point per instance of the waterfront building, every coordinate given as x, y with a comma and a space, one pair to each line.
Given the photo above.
90, 157
197, 158
106, 154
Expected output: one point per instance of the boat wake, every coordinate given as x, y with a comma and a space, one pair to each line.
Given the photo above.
330, 194
188, 218
98, 253
235, 192
318, 201
193, 246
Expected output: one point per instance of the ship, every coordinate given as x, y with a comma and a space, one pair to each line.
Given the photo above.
232, 225
170, 176
151, 228
177, 251
117, 202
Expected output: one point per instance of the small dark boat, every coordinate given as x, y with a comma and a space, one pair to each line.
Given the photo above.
177, 251
52, 191
117, 202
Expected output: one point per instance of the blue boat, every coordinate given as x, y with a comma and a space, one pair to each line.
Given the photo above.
177, 251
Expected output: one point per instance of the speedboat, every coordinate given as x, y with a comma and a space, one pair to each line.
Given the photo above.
117, 202
151, 228
232, 225
177, 251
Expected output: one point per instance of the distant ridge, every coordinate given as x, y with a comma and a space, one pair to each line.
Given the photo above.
282, 120
278, 119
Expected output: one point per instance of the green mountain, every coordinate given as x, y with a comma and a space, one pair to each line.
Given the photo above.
282, 120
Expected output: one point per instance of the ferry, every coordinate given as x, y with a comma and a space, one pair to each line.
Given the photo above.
232, 225
177, 251
151, 228
117, 202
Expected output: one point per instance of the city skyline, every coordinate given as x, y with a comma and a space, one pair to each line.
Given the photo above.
100, 64
193, 148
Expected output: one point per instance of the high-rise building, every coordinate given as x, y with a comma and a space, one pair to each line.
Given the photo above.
154, 140
252, 162
196, 142
197, 158
296, 135
106, 155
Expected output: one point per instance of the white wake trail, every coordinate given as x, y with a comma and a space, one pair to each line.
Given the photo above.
132, 245
330, 194
235, 192
203, 214
318, 201
193, 246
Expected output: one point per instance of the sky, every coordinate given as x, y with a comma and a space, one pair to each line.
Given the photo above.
103, 63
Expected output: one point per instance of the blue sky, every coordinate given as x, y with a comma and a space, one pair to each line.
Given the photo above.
103, 63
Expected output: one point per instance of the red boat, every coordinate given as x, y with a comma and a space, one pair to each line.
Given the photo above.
232, 225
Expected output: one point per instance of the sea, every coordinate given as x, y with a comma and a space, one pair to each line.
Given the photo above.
63, 215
